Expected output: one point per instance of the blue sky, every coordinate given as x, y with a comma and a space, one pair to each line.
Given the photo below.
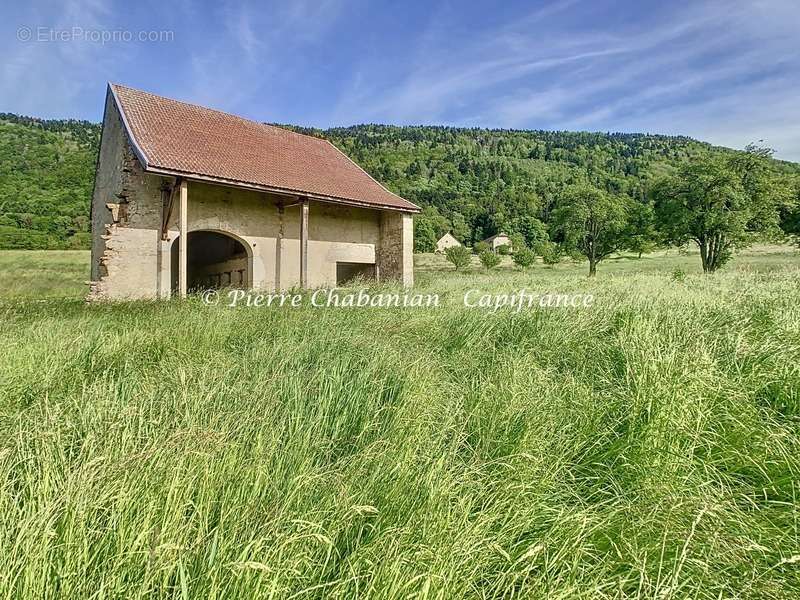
727, 72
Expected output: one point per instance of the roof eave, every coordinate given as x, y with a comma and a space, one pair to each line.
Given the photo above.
277, 190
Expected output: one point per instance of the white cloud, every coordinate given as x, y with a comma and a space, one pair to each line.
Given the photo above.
570, 72
230, 71
726, 71
34, 73
760, 112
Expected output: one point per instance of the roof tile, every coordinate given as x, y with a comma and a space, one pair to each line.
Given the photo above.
192, 140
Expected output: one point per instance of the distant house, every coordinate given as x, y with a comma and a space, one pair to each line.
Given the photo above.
500, 239
446, 241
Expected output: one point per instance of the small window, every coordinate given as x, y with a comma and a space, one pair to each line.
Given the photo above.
346, 271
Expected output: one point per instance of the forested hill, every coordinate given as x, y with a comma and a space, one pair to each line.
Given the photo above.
472, 181
477, 182
46, 178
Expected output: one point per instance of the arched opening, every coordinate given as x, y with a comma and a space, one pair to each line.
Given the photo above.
214, 260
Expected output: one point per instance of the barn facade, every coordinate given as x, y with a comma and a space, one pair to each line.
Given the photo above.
190, 198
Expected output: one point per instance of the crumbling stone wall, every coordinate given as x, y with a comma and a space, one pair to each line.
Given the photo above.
126, 216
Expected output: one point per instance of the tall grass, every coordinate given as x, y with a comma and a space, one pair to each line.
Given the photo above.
646, 447
44, 273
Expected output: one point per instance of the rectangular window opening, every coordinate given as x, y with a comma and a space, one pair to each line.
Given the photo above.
346, 272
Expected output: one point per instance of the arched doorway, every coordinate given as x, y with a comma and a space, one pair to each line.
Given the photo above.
214, 260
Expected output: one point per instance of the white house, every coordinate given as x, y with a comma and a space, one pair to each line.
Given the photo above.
500, 239
448, 240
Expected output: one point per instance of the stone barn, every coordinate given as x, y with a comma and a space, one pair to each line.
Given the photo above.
187, 198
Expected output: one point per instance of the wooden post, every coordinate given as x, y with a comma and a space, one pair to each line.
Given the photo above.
183, 241
279, 247
304, 243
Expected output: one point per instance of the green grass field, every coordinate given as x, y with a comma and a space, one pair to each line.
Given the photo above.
646, 447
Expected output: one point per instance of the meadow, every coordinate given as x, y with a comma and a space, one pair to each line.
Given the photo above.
645, 447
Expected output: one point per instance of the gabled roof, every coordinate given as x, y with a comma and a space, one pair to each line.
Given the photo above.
449, 234
176, 138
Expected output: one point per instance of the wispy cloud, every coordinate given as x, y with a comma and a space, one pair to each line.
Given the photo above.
232, 70
559, 67
35, 73
724, 70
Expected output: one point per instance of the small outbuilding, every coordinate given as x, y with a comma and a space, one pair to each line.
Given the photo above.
187, 198
500, 239
448, 240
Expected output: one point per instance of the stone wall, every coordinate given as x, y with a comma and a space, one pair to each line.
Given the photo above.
126, 216
396, 251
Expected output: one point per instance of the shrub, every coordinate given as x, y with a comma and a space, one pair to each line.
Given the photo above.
489, 259
524, 258
550, 253
504, 249
82, 240
13, 238
481, 247
575, 256
517, 241
459, 256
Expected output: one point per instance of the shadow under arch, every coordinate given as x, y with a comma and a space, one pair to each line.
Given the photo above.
215, 259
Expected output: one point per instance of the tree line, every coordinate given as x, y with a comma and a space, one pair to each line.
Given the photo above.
554, 192
558, 193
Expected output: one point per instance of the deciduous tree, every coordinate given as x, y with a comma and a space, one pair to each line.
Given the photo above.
721, 203
592, 222
489, 259
642, 233
524, 258
790, 215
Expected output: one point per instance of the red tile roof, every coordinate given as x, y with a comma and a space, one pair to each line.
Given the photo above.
183, 139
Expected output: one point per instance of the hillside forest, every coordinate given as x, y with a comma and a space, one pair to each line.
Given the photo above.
586, 194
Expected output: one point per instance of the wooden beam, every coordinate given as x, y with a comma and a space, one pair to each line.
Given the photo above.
167, 205
183, 242
304, 244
